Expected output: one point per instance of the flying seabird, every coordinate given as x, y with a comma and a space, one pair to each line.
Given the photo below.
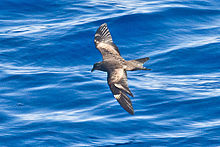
116, 67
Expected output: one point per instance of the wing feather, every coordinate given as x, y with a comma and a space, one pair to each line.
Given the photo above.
117, 81
104, 43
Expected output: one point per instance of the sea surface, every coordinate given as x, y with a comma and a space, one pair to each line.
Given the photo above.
49, 97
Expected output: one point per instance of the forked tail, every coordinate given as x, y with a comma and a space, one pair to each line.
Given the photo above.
142, 60
137, 64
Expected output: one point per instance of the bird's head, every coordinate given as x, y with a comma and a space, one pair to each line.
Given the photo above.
96, 66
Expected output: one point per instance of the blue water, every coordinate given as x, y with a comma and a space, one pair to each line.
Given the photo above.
49, 97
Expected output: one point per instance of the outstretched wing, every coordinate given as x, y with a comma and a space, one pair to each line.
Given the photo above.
103, 42
117, 81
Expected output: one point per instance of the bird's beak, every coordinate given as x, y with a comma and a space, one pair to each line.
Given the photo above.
92, 69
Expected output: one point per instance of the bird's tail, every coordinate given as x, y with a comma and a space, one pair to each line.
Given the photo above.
142, 60
138, 63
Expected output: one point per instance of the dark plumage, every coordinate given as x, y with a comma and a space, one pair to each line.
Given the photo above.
116, 67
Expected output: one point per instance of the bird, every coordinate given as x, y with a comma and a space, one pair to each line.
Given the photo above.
116, 67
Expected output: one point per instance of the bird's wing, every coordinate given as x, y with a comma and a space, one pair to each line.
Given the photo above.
103, 42
117, 81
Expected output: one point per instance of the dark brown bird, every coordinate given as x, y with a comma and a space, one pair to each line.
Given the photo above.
116, 67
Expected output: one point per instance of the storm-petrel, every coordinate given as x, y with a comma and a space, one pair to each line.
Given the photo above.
116, 67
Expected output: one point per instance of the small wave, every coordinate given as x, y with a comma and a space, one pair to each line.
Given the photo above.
198, 86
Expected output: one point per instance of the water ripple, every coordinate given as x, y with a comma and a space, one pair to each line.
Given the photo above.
49, 97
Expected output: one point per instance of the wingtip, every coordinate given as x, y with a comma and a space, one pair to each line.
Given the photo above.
103, 35
104, 24
132, 112
125, 102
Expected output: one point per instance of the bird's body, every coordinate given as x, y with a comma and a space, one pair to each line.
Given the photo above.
116, 67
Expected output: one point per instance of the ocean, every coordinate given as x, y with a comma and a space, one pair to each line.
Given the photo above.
49, 97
